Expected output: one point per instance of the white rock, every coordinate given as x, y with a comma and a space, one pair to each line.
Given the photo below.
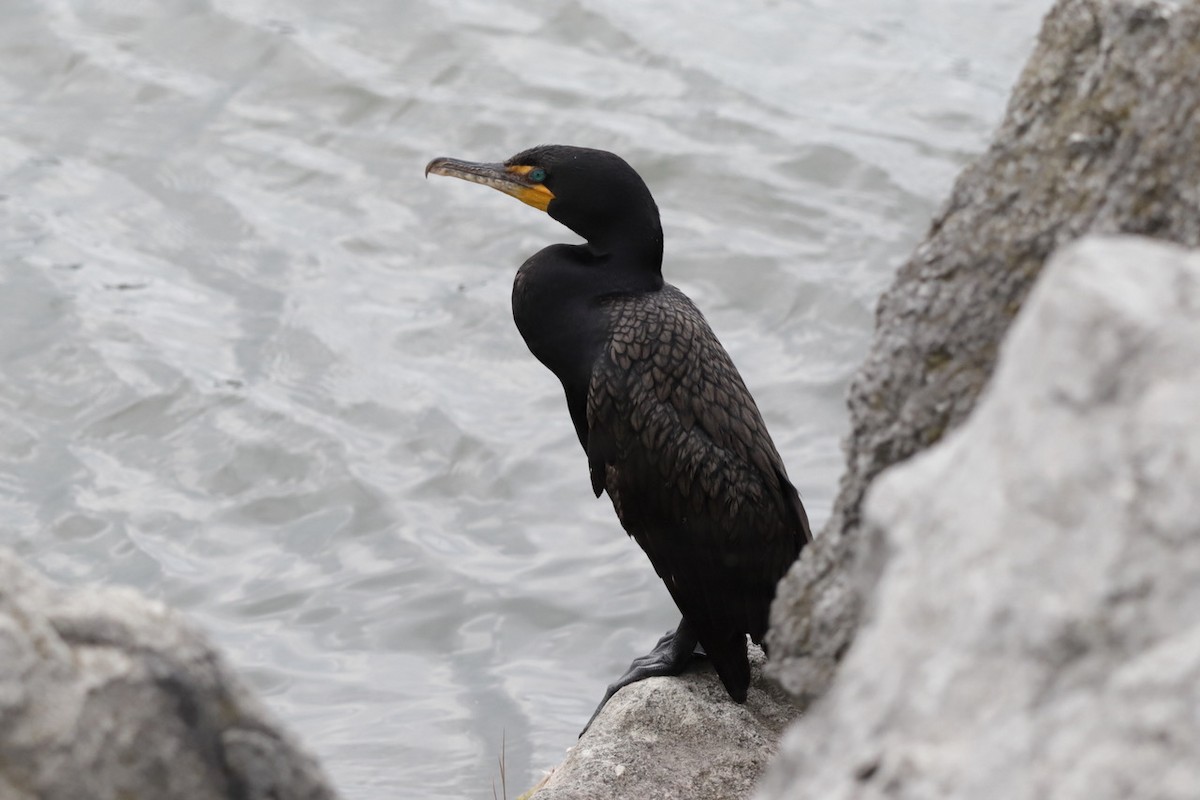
1035, 629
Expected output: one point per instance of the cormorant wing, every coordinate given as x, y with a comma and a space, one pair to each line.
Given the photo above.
676, 440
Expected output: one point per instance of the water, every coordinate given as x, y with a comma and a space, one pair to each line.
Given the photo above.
254, 365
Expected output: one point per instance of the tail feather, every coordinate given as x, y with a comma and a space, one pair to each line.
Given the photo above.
729, 658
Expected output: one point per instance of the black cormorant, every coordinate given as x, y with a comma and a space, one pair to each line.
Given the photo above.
671, 433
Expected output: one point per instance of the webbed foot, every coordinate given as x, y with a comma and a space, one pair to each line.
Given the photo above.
670, 656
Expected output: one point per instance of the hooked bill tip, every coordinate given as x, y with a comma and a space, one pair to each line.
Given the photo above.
435, 162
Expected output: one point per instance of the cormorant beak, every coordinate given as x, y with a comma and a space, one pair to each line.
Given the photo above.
510, 179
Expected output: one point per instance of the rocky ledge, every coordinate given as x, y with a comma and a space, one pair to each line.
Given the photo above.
675, 737
1101, 135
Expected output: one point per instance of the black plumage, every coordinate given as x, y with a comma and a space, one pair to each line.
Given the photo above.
670, 430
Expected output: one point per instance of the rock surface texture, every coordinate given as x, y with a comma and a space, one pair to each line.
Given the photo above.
675, 738
105, 695
1101, 135
1034, 630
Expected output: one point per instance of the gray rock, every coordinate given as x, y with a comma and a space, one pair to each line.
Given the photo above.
1102, 134
1035, 627
675, 739
106, 695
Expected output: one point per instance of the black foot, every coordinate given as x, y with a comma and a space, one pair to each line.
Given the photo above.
669, 657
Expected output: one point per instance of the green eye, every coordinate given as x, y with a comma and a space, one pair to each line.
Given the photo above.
537, 175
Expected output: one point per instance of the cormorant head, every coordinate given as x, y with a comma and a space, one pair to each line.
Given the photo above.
593, 192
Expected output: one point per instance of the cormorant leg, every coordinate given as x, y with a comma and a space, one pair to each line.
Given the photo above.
669, 657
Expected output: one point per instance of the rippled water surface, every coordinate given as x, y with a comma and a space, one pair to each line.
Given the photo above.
253, 364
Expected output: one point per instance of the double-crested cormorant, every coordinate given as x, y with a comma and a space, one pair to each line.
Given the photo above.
670, 431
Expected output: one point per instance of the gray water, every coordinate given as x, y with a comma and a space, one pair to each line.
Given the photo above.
254, 365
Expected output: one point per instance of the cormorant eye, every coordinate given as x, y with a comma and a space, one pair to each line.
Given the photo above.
537, 175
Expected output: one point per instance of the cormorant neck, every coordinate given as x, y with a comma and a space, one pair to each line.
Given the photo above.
637, 246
